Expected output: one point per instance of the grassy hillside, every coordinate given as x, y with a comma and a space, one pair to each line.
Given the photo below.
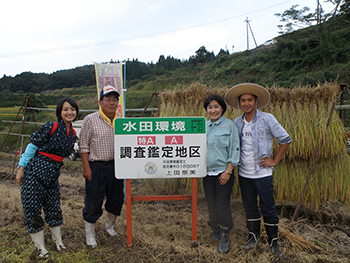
305, 57
301, 58
297, 59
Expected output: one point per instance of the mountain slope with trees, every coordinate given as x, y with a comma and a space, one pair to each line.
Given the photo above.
304, 57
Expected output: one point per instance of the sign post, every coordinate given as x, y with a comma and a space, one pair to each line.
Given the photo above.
173, 147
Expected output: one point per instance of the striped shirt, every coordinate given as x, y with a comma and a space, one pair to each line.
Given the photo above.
97, 138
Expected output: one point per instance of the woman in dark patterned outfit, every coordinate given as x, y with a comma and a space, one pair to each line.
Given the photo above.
38, 172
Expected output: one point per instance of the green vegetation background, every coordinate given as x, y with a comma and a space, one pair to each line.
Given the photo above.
301, 58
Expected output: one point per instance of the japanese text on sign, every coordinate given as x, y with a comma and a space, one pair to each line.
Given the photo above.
160, 147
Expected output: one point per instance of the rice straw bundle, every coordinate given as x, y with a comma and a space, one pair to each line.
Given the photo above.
298, 243
303, 112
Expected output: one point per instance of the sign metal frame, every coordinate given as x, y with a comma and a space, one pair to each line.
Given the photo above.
201, 128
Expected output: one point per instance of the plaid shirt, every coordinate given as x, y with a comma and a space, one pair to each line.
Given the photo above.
97, 138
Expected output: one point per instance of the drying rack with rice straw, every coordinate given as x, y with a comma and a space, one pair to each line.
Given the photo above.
25, 108
305, 102
298, 242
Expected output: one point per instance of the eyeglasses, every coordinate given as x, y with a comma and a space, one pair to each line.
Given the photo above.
110, 100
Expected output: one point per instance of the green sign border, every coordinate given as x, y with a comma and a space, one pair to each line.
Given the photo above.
193, 125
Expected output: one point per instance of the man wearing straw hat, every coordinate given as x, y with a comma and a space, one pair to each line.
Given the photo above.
257, 130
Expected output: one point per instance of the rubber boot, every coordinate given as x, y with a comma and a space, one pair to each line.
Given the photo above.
90, 234
39, 242
272, 237
57, 238
224, 240
110, 221
215, 233
253, 226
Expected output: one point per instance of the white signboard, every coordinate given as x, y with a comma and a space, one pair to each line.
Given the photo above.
173, 147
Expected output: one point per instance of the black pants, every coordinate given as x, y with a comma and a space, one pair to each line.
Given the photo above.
103, 184
218, 199
250, 189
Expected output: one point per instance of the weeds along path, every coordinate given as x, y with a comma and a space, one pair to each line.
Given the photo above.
162, 230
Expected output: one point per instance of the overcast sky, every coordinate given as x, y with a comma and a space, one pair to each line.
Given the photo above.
47, 36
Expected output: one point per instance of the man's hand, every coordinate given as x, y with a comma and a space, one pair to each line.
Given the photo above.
267, 162
86, 166
87, 173
20, 175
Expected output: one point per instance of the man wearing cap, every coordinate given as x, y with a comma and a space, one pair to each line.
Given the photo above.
96, 146
257, 130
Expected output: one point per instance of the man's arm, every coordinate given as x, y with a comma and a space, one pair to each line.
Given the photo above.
87, 173
264, 162
84, 147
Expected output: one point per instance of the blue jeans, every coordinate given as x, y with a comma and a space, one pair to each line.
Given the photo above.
103, 184
250, 189
218, 200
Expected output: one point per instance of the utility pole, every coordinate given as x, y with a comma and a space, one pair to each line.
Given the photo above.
247, 21
318, 13
251, 31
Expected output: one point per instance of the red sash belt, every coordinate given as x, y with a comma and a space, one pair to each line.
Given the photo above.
53, 156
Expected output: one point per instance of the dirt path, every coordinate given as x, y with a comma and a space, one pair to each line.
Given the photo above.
162, 230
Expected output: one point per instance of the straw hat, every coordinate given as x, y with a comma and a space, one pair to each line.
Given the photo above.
232, 95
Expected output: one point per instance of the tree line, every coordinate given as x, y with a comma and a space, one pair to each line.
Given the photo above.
85, 75
323, 48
